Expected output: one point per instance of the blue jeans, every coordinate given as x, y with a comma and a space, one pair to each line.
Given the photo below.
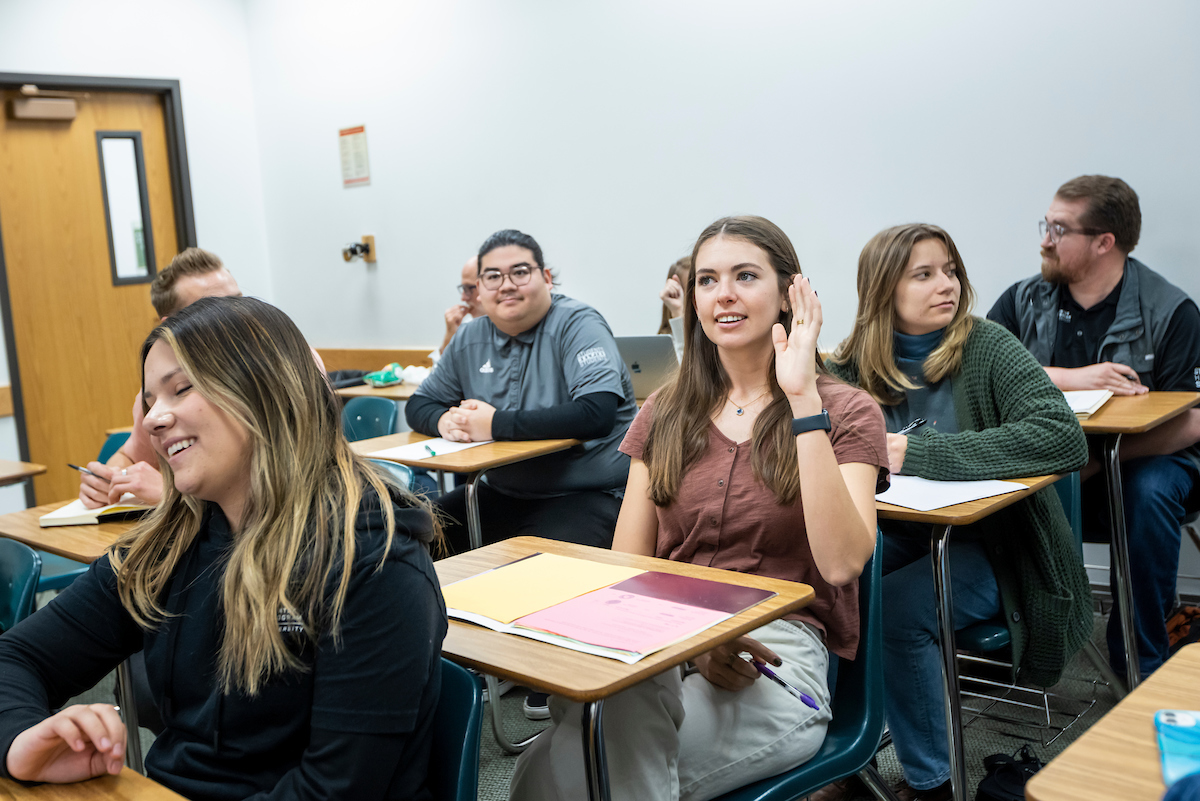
1154, 489
912, 661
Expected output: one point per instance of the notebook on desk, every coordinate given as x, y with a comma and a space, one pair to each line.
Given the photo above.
649, 360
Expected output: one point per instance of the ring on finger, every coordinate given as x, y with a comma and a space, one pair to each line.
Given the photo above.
124, 471
799, 321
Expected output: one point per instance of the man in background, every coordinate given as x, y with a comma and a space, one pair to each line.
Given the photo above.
469, 305
191, 275
1096, 318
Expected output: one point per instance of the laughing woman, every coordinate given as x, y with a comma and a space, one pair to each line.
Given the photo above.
750, 459
983, 408
282, 591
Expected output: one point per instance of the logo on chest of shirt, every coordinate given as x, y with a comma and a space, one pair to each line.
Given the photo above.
1196, 376
1064, 315
591, 356
487, 367
288, 622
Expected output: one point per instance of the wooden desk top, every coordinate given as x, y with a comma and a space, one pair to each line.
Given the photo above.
12, 472
81, 543
483, 457
128, 784
583, 677
398, 392
1134, 414
965, 513
1117, 758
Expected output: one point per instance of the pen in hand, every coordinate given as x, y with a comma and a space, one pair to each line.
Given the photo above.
792, 691
85, 471
915, 424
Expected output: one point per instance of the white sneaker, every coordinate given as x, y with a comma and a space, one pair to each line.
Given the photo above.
536, 706
504, 686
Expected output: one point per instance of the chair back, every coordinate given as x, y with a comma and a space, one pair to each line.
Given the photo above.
402, 474
364, 418
858, 716
458, 722
111, 446
1071, 496
20, 567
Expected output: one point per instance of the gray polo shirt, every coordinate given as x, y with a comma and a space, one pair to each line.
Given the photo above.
569, 354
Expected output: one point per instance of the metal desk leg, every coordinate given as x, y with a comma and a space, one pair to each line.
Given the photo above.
474, 528
594, 760
506, 745
939, 551
133, 739
1120, 558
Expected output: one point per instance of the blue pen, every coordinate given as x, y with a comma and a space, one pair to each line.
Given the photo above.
792, 691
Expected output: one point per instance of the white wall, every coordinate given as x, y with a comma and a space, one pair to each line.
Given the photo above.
614, 132
203, 44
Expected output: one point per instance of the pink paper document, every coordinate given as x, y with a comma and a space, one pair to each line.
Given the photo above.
613, 618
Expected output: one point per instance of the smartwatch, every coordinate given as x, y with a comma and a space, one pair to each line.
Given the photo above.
816, 422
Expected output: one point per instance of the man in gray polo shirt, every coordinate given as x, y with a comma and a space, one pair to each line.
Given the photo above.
538, 366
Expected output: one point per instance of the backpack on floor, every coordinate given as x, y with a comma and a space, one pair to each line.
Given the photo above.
1006, 775
1183, 627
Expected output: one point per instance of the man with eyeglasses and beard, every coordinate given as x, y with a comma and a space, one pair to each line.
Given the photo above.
1096, 318
468, 305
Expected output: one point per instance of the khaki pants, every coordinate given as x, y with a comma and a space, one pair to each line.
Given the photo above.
672, 737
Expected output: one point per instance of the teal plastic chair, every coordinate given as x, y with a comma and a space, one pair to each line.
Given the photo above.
20, 567
454, 757
858, 716
403, 474
58, 571
364, 418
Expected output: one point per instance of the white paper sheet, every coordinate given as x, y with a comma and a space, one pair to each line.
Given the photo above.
415, 451
925, 495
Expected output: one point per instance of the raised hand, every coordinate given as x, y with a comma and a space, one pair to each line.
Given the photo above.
672, 296
796, 350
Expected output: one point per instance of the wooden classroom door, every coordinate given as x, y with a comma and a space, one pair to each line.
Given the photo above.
77, 323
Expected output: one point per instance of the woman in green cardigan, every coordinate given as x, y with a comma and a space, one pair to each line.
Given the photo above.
985, 409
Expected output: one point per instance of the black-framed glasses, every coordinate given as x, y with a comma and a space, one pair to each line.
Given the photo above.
467, 289
519, 274
1057, 231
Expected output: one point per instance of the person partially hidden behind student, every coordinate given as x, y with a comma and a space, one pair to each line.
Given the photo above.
672, 297
750, 459
283, 592
191, 275
468, 305
983, 408
1097, 318
539, 365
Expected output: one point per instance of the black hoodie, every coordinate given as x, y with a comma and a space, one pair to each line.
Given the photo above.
356, 724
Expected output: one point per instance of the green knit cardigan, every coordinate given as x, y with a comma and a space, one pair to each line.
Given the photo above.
1014, 422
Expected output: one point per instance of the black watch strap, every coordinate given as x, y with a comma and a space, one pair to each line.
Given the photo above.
816, 422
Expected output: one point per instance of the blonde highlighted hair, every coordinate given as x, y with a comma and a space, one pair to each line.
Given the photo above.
881, 265
296, 544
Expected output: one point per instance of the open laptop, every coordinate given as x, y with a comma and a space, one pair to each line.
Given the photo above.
650, 361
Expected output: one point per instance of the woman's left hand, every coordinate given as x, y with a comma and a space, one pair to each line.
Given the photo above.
796, 351
725, 668
140, 479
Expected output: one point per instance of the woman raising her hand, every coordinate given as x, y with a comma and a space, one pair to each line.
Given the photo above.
750, 459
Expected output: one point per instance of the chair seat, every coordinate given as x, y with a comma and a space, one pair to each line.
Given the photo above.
58, 572
983, 637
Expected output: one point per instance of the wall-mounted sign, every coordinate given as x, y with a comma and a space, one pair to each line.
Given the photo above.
356, 170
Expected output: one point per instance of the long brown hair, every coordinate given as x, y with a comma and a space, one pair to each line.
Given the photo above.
679, 269
684, 407
298, 527
881, 265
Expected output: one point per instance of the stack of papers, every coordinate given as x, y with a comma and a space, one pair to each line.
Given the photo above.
1086, 402
606, 610
925, 495
425, 449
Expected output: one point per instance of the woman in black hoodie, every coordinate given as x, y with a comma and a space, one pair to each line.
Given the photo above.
282, 591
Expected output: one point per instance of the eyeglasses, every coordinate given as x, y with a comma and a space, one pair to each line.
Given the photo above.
467, 289
1057, 231
519, 274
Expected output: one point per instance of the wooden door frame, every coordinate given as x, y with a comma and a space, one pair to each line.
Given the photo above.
181, 193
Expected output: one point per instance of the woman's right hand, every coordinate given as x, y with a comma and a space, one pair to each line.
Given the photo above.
724, 667
80, 742
672, 296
